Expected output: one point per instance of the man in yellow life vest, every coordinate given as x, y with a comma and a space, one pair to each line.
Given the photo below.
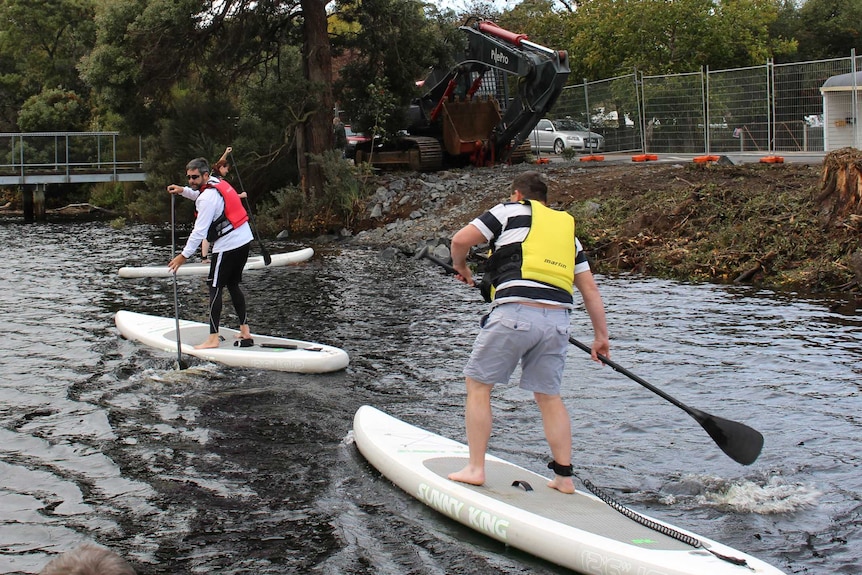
535, 262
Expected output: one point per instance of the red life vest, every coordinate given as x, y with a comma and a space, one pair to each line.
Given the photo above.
234, 212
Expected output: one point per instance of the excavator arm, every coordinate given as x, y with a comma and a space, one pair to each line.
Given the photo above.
542, 75
458, 119
541, 72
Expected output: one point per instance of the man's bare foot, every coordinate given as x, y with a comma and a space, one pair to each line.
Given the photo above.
211, 342
244, 332
562, 484
469, 475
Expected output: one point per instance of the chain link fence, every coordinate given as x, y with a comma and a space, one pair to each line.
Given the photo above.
759, 109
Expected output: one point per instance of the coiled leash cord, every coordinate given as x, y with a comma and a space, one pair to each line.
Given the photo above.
655, 526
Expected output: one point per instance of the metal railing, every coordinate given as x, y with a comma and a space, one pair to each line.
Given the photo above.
69, 157
760, 109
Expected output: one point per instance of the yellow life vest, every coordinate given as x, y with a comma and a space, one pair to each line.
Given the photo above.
549, 250
547, 255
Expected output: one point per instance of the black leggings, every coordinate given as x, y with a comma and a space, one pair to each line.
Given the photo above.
226, 272
237, 297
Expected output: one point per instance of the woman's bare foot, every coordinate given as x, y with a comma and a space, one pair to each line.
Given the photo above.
562, 484
244, 332
470, 475
211, 342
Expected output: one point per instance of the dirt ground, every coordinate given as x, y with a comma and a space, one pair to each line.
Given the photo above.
751, 223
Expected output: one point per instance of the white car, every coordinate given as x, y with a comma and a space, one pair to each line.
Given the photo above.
557, 135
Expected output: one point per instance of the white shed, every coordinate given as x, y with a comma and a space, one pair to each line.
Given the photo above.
842, 111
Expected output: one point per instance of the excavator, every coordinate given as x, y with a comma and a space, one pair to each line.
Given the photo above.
459, 119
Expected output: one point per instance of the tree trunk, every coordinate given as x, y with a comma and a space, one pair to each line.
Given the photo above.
841, 186
317, 67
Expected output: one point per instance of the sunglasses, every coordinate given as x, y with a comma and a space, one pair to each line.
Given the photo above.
194, 176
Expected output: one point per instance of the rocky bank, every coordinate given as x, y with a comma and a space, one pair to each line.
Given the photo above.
751, 223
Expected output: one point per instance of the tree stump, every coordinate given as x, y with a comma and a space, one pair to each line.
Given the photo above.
841, 185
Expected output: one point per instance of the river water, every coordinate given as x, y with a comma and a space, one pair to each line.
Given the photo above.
224, 470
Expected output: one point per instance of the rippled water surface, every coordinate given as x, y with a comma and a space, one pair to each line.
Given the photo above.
225, 470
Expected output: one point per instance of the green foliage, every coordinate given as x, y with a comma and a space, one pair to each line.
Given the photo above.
109, 195
569, 153
382, 107
823, 28
143, 49
271, 212
40, 46
54, 110
153, 206
339, 203
413, 44
337, 206
542, 23
607, 38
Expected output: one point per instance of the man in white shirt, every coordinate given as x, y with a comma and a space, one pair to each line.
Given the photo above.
221, 219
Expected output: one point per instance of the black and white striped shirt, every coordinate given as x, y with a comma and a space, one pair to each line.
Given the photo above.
509, 223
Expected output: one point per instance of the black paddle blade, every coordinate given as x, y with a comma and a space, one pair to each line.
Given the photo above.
740, 442
180, 365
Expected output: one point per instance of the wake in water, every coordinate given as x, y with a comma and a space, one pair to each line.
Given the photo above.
771, 495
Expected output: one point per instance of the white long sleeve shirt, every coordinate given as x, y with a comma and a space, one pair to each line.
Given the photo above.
209, 206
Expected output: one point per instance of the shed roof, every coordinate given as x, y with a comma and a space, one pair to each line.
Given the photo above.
842, 83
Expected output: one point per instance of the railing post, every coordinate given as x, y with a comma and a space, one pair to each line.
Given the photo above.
21, 153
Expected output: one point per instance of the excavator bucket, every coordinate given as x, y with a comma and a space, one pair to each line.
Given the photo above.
467, 124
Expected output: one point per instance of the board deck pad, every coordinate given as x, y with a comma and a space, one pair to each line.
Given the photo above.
578, 510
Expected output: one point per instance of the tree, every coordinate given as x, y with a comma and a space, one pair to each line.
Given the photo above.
393, 44
607, 38
151, 54
317, 130
54, 110
829, 28
41, 44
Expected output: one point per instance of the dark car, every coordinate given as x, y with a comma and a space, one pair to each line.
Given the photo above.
353, 138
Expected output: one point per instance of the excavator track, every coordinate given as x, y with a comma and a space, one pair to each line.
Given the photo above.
519, 154
419, 153
430, 154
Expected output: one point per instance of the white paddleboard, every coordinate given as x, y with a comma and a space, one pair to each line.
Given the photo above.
274, 353
515, 506
199, 269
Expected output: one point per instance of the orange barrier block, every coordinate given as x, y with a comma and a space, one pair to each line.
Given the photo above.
705, 159
542, 161
592, 158
772, 160
644, 158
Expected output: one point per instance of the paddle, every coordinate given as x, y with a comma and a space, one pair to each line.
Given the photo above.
180, 364
740, 442
266, 257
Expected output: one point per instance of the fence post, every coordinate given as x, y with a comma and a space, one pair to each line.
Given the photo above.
704, 91
641, 103
770, 105
854, 100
